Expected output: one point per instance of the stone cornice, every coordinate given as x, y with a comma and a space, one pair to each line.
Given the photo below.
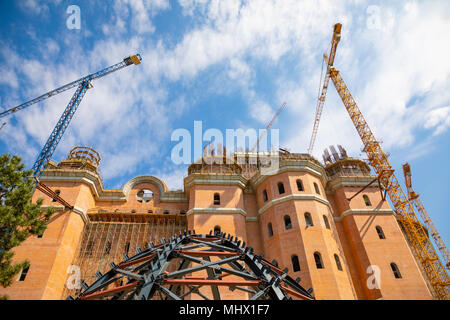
76, 210
293, 197
350, 181
214, 179
174, 196
216, 211
100, 193
364, 212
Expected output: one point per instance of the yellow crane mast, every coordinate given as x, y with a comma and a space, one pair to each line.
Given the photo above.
415, 232
414, 198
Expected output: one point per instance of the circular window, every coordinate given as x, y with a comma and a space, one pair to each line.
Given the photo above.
144, 195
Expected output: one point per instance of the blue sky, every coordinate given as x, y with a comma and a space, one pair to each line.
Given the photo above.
231, 64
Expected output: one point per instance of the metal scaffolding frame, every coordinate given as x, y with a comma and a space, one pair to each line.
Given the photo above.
188, 266
115, 236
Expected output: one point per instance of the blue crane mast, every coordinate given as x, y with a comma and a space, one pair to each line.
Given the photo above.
82, 84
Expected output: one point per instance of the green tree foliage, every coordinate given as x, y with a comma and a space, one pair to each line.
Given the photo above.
19, 218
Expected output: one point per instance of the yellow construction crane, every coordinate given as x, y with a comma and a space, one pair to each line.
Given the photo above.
268, 127
414, 198
321, 98
414, 230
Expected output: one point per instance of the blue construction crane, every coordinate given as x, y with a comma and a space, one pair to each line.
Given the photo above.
82, 85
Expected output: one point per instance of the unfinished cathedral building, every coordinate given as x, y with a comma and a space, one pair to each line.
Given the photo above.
328, 224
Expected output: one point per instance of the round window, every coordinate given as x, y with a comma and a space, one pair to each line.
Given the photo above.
144, 195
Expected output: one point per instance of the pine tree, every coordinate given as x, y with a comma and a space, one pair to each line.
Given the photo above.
19, 218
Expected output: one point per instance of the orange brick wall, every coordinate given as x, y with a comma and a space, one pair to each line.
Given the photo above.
364, 248
242, 212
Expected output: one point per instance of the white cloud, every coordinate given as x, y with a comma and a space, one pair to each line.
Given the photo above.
174, 178
398, 74
139, 12
261, 112
239, 71
439, 119
258, 29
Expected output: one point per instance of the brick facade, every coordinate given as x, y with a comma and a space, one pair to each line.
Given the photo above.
341, 230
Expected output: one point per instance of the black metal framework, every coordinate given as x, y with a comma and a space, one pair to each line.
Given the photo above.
145, 276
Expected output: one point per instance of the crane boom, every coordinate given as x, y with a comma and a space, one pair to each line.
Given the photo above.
83, 85
135, 59
415, 232
268, 127
414, 198
321, 99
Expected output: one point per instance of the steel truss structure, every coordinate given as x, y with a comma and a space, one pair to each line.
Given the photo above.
145, 276
414, 230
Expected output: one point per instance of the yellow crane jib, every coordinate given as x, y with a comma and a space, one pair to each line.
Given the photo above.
321, 98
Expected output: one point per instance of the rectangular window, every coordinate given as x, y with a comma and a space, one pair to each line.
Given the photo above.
23, 274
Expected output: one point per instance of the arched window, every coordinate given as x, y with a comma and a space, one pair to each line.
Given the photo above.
270, 230
325, 220
287, 222
316, 187
217, 230
166, 212
318, 260
367, 200
182, 212
308, 219
150, 211
380, 232
396, 271
280, 188
300, 185
338, 262
133, 211
23, 274
216, 198
58, 192
264, 193
295, 263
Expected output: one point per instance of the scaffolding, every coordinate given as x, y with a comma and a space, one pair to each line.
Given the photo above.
112, 237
